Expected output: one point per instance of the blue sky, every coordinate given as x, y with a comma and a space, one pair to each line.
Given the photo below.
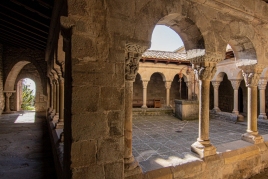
165, 39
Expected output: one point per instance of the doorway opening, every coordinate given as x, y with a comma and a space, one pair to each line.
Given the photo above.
26, 90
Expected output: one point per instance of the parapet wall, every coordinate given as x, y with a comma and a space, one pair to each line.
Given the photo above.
240, 163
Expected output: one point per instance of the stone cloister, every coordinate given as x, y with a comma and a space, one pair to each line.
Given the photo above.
87, 69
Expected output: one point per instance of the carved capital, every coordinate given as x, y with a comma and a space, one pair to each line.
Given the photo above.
144, 84
8, 94
251, 78
216, 84
168, 84
205, 73
133, 53
188, 84
262, 84
199, 56
66, 22
235, 84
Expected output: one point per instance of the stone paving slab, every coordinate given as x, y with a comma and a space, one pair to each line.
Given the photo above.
25, 149
160, 141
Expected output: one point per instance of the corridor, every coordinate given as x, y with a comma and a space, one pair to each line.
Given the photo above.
25, 149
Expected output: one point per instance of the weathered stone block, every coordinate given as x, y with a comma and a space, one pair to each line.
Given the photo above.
83, 153
94, 171
110, 150
115, 121
114, 170
186, 110
163, 173
112, 98
89, 126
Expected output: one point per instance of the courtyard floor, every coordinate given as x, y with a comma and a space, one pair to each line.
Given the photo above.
25, 149
160, 141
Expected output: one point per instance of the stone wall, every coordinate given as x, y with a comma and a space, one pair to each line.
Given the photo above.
2, 98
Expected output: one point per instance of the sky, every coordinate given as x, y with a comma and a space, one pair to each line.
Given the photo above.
165, 39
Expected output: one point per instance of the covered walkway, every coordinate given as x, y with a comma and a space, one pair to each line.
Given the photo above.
25, 149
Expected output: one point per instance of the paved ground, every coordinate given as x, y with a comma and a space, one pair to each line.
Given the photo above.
161, 140
25, 150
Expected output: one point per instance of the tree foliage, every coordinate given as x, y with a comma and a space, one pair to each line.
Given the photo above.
27, 98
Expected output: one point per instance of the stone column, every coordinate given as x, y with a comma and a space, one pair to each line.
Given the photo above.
132, 57
216, 85
51, 95
144, 97
60, 123
189, 86
251, 79
204, 68
168, 85
235, 84
58, 97
262, 86
54, 95
8, 94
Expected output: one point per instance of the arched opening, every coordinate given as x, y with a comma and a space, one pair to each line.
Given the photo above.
178, 88
240, 100
156, 90
137, 92
226, 93
26, 90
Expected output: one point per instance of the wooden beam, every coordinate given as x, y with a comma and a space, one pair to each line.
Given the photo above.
6, 27
20, 37
12, 10
18, 44
23, 29
22, 43
24, 23
30, 9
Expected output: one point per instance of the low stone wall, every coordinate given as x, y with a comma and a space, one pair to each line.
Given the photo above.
152, 111
240, 163
186, 109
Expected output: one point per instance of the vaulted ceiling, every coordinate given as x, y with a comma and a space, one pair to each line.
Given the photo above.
25, 23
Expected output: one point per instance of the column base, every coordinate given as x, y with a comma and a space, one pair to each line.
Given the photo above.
55, 117
252, 138
216, 109
235, 112
203, 149
131, 167
262, 116
144, 107
60, 124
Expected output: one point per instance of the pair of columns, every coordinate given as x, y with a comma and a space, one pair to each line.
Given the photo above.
167, 86
235, 84
57, 101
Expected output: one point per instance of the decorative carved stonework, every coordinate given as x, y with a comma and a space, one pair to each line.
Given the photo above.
189, 84
205, 73
216, 84
168, 84
133, 55
251, 79
262, 84
235, 84
144, 84
197, 56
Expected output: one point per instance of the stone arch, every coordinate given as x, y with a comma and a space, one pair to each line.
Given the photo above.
242, 38
160, 73
156, 87
186, 29
137, 88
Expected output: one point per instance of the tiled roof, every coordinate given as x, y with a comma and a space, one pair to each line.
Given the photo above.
153, 54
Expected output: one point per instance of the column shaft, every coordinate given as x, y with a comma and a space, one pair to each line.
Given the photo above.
204, 110
235, 110
144, 96
51, 95
58, 97
54, 96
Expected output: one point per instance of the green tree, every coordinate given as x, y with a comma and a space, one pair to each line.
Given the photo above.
27, 98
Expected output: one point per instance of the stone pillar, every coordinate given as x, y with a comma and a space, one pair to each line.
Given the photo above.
251, 79
262, 86
54, 95
204, 72
189, 86
60, 123
168, 85
8, 94
51, 95
235, 84
144, 97
58, 97
216, 85
132, 57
